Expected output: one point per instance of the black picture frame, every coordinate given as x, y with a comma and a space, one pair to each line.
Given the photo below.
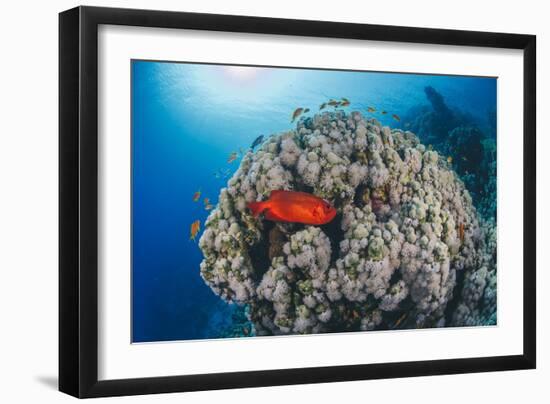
78, 201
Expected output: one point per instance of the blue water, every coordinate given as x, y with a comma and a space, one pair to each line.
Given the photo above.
186, 120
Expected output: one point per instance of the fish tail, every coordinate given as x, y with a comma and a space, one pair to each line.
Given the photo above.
257, 207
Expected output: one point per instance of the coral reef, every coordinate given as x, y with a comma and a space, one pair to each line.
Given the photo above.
475, 163
240, 324
478, 298
470, 142
406, 250
432, 123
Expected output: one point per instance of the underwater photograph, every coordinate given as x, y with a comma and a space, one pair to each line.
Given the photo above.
273, 201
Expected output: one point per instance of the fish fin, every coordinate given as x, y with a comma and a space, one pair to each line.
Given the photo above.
269, 215
257, 207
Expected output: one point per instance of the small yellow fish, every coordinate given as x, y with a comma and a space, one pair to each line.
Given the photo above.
344, 103
197, 196
322, 106
449, 160
195, 228
371, 109
396, 117
333, 103
232, 157
297, 112
344, 99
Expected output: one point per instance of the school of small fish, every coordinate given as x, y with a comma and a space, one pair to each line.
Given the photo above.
372, 110
223, 174
344, 102
196, 225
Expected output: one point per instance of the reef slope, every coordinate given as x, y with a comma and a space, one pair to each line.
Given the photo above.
406, 250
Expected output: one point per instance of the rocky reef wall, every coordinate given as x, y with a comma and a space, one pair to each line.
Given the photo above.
406, 250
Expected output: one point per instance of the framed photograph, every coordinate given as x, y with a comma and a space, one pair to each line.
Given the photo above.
251, 201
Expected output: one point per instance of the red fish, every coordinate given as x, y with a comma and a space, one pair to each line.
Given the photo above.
296, 207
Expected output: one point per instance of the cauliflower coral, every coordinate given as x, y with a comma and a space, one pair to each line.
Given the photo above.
406, 250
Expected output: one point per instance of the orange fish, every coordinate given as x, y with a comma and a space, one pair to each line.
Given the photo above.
461, 232
195, 228
232, 157
400, 320
297, 112
296, 207
197, 196
206, 201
